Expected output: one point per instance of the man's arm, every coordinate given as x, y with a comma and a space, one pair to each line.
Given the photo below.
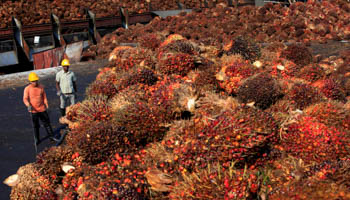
58, 86
75, 86
74, 79
26, 97
45, 99
58, 82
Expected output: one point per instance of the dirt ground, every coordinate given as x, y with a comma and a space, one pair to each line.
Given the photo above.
16, 137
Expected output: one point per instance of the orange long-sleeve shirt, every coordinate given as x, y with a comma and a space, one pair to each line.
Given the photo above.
36, 97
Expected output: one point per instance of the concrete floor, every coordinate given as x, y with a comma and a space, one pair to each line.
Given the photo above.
16, 135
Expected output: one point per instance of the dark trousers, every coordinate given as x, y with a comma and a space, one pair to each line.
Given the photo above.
44, 118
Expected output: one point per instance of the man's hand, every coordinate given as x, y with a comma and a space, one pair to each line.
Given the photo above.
59, 93
29, 108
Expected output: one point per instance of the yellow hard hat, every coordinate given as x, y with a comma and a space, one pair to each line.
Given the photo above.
65, 62
33, 77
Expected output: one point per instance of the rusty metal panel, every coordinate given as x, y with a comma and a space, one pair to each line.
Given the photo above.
49, 58
57, 56
38, 61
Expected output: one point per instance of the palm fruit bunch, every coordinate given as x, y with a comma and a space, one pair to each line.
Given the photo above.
177, 44
49, 161
306, 138
124, 58
96, 108
171, 38
102, 87
158, 156
213, 104
150, 41
272, 52
240, 135
282, 68
233, 72
282, 110
172, 96
177, 56
283, 179
105, 73
311, 73
179, 63
143, 120
114, 190
71, 112
299, 54
261, 89
246, 47
128, 97
107, 181
330, 113
312, 190
302, 95
107, 44
136, 75
147, 115
203, 78
101, 141
332, 89
32, 185
122, 176
216, 182
73, 183
280, 173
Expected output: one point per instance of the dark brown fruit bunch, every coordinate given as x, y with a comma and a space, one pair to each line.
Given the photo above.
303, 95
180, 46
261, 88
101, 141
299, 54
136, 75
243, 46
143, 120
101, 87
332, 89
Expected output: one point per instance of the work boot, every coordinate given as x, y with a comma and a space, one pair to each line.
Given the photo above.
50, 134
37, 136
63, 111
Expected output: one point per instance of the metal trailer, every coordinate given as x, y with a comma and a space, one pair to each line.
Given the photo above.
44, 45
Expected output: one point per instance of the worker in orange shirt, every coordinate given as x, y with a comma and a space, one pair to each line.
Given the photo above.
34, 98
